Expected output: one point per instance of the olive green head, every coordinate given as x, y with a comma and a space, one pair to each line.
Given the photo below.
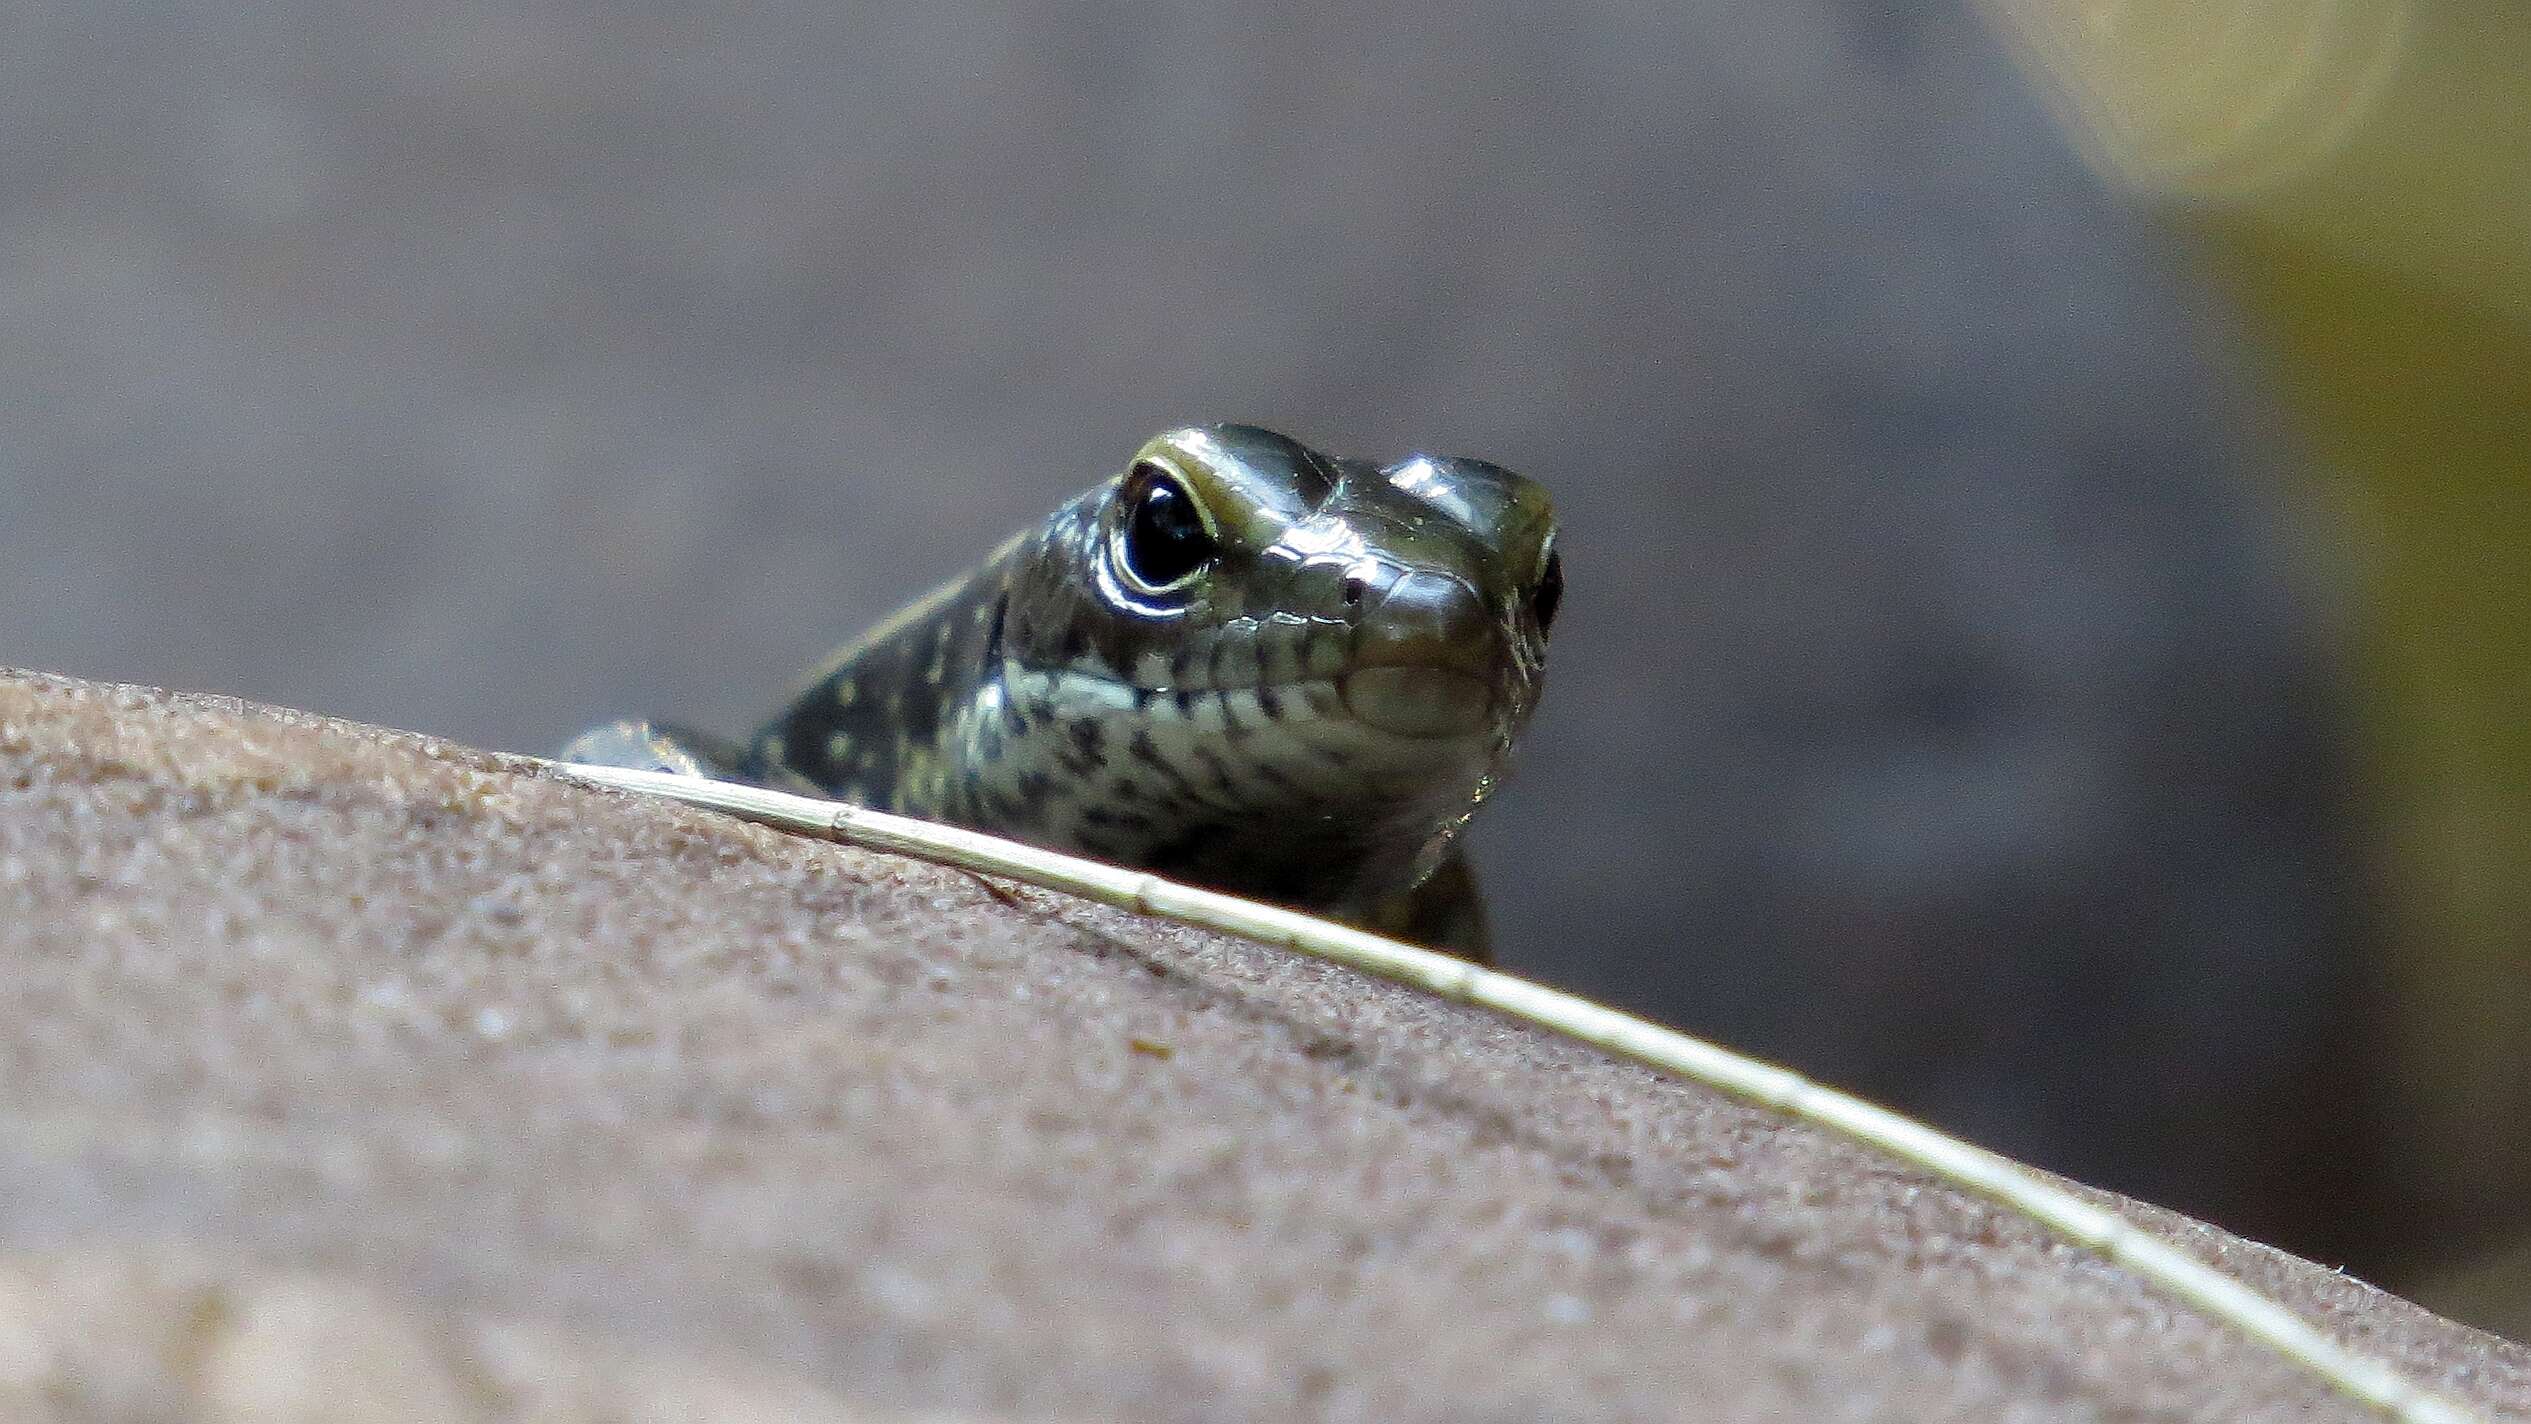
1329, 642
1422, 590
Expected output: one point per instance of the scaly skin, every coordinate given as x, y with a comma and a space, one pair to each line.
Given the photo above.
1241, 663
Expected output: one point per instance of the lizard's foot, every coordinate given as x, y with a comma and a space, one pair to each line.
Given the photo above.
654, 746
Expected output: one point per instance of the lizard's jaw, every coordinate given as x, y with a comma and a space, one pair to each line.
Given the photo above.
1419, 703
1431, 658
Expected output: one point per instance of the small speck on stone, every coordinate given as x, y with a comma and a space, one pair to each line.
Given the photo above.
900, 1291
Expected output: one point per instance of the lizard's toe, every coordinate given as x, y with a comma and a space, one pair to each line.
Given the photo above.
641, 746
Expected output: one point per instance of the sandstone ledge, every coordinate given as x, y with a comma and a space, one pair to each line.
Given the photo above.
352, 1075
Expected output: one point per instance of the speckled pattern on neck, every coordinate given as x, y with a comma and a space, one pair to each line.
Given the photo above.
1241, 662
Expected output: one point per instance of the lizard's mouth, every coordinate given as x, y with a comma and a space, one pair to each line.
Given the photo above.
1423, 703
1428, 655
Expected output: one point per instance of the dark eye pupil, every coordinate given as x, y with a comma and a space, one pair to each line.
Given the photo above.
1549, 593
1164, 537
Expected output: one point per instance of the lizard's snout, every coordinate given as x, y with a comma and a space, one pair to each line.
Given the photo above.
1428, 654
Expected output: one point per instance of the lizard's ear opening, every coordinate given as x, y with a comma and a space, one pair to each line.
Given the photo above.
1548, 594
1162, 538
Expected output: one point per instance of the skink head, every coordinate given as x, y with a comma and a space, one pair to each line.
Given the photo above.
1423, 590
1325, 645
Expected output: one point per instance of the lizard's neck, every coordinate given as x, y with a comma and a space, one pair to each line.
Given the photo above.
870, 726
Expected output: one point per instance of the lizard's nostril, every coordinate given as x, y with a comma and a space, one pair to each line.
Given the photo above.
1355, 586
1430, 619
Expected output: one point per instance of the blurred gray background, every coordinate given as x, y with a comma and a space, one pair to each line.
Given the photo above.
1945, 701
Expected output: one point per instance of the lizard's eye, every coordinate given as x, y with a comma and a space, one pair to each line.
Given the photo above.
1549, 592
1161, 542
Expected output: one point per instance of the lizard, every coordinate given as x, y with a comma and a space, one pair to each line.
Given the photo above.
1240, 662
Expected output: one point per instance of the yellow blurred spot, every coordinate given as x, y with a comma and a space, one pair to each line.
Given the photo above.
2210, 98
2356, 176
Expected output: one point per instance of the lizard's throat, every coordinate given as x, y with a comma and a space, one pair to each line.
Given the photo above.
1287, 792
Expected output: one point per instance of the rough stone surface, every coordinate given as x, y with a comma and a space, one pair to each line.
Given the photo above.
350, 1074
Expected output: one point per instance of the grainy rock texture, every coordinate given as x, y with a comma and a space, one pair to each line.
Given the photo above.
348, 1074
